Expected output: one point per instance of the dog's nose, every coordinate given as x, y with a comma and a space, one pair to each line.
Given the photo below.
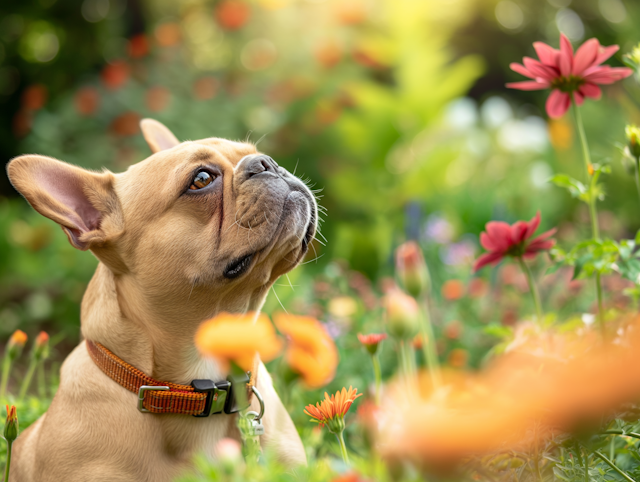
260, 164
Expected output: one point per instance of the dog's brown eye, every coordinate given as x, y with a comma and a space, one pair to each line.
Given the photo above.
202, 179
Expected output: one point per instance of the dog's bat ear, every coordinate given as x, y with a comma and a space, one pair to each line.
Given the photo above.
157, 135
81, 201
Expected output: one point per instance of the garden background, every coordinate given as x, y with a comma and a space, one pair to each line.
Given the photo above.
396, 109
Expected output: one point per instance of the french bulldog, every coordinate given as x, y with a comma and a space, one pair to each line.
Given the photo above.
196, 229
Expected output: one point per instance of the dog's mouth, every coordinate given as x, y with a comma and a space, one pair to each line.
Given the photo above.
238, 266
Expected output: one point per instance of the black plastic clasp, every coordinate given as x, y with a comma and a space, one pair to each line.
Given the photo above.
217, 395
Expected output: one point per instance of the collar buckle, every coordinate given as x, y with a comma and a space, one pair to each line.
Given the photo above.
220, 395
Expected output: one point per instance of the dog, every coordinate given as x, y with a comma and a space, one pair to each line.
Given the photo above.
196, 229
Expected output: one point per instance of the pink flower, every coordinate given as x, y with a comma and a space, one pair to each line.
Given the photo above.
502, 239
567, 74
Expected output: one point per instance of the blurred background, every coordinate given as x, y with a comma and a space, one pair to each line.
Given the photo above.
396, 109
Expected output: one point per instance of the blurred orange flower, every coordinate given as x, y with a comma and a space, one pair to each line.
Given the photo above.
310, 350
452, 289
331, 410
553, 383
87, 101
238, 338
115, 75
232, 14
167, 34
18, 338
157, 98
138, 46
34, 97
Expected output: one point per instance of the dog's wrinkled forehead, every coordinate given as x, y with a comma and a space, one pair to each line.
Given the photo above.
171, 168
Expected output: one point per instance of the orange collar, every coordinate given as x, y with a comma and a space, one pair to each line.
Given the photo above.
200, 399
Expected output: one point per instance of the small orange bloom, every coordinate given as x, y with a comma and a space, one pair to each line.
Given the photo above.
310, 352
371, 338
19, 338
452, 289
42, 338
238, 338
331, 411
11, 424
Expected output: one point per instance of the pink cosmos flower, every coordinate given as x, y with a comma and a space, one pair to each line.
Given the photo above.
502, 239
570, 76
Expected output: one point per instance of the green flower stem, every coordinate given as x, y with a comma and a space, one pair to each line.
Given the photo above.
27, 378
404, 359
6, 472
620, 432
429, 346
624, 475
532, 287
343, 447
638, 175
6, 369
378, 377
592, 207
585, 463
42, 384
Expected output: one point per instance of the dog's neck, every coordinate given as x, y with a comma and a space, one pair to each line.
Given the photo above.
161, 344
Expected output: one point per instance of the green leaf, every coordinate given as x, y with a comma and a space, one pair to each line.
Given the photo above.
575, 187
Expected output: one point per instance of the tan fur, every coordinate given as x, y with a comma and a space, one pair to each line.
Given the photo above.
162, 252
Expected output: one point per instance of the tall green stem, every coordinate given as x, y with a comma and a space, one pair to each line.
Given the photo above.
377, 373
638, 175
343, 447
429, 346
6, 369
27, 378
42, 387
6, 472
592, 207
624, 475
532, 287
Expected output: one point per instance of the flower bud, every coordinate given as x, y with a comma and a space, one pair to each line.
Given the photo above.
411, 269
633, 137
16, 344
11, 425
41, 347
402, 315
371, 341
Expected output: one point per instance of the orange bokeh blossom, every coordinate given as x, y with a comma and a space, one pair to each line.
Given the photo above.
310, 350
238, 338
331, 410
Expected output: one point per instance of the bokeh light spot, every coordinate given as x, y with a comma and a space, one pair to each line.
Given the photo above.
509, 15
258, 54
95, 10
570, 24
613, 11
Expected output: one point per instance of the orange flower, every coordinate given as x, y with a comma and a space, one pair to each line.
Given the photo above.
41, 346
371, 341
551, 384
11, 424
331, 411
310, 352
452, 289
238, 338
19, 338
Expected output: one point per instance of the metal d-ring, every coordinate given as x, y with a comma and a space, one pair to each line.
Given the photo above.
261, 400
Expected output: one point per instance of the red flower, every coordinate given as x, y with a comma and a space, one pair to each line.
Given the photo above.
570, 76
502, 239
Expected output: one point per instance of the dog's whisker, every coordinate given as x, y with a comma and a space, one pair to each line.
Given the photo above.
295, 168
314, 259
289, 280
277, 298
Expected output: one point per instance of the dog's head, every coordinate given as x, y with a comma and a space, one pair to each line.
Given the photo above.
198, 226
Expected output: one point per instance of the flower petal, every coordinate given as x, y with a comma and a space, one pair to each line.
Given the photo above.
585, 56
500, 236
557, 104
606, 75
519, 232
529, 85
521, 69
540, 70
591, 90
605, 52
540, 245
487, 258
578, 98
547, 54
532, 225
566, 56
